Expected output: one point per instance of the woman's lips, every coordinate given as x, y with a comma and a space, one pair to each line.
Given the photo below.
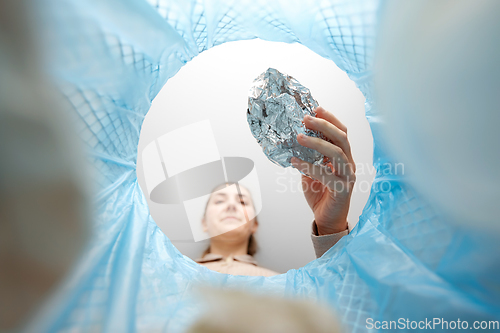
230, 218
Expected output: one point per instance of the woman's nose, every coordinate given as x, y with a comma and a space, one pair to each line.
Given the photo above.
232, 205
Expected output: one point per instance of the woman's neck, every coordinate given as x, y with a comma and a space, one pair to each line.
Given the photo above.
228, 248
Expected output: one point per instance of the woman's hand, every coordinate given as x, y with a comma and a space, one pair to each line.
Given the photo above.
329, 192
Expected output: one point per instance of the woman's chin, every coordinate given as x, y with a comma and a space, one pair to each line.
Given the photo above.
232, 231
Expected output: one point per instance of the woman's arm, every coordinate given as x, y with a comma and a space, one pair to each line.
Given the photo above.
323, 243
328, 190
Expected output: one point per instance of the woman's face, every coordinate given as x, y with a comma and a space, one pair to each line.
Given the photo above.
228, 213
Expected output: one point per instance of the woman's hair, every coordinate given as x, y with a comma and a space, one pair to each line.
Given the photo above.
252, 243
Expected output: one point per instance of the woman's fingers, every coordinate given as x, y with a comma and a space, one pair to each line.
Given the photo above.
337, 136
328, 116
339, 160
321, 174
333, 129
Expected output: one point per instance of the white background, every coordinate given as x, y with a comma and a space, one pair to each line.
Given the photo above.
214, 86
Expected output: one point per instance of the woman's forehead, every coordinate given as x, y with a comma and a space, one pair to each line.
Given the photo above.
232, 190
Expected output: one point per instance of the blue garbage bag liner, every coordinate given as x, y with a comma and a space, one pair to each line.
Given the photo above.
110, 59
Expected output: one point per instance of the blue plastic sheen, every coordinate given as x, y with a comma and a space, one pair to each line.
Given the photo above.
112, 57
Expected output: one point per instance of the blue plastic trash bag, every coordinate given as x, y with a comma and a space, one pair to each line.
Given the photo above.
111, 58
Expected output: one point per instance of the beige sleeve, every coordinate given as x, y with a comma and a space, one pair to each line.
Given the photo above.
324, 243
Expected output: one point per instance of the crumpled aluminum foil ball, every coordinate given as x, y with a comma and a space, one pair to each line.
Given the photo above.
277, 104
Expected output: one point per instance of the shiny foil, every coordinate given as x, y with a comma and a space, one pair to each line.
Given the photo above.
277, 104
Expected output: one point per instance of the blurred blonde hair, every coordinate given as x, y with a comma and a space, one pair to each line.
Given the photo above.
243, 312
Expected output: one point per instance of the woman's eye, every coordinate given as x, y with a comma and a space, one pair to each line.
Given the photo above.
244, 203
219, 201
